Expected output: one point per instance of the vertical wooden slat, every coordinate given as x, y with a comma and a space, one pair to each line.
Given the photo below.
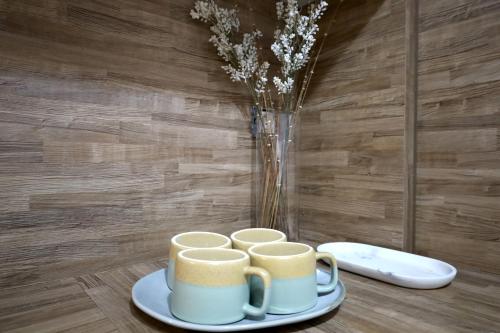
411, 45
458, 132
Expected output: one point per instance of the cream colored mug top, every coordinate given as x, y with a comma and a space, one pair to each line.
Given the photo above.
284, 260
246, 238
196, 240
212, 267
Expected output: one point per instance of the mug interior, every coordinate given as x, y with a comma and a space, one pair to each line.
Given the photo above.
280, 249
201, 240
258, 235
213, 254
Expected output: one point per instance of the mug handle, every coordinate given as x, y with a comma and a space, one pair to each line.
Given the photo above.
266, 279
334, 272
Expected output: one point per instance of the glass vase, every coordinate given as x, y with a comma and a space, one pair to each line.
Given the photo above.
276, 195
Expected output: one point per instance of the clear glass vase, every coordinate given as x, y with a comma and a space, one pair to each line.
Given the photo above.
276, 195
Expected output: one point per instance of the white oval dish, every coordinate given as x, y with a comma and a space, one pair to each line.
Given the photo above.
151, 295
392, 266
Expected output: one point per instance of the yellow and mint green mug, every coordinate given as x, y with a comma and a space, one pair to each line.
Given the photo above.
192, 240
293, 272
246, 238
211, 286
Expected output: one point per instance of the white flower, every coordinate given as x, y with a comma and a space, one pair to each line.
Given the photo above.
284, 87
293, 42
261, 83
280, 8
242, 59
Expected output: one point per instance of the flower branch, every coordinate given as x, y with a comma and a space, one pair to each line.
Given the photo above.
294, 40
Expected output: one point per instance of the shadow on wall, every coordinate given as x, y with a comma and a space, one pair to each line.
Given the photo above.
349, 20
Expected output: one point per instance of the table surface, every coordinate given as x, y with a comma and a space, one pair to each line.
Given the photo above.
101, 303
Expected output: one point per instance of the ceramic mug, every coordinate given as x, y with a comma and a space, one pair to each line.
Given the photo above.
293, 272
192, 240
211, 286
246, 238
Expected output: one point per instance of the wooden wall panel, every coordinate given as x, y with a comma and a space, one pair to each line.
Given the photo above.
410, 130
458, 175
351, 139
118, 129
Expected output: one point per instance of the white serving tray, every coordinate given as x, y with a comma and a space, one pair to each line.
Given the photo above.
396, 267
151, 295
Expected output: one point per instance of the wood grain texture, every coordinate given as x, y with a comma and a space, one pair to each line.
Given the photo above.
410, 131
118, 129
458, 177
100, 302
351, 139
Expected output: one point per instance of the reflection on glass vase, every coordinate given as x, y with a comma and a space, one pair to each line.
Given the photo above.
276, 195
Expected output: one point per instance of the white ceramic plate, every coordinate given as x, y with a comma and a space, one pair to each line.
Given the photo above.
151, 295
396, 267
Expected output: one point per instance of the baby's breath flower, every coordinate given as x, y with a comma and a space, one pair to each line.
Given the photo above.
261, 83
294, 40
242, 61
283, 87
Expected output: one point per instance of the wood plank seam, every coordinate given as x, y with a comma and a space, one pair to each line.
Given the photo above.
411, 95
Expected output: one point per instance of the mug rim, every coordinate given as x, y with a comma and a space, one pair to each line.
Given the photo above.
308, 251
177, 243
234, 236
184, 255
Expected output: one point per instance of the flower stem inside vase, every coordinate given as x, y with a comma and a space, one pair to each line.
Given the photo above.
275, 190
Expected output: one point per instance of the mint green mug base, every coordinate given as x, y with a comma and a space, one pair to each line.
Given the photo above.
209, 305
287, 295
171, 274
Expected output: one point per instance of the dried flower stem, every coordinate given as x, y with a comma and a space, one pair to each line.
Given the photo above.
294, 41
